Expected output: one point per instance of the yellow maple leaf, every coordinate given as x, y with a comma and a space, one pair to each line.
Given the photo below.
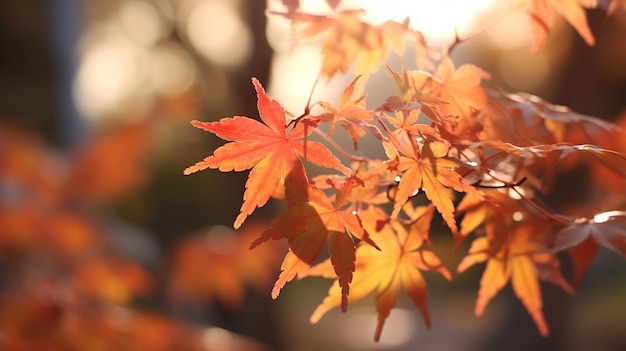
395, 266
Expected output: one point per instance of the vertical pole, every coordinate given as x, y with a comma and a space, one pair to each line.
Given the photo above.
65, 21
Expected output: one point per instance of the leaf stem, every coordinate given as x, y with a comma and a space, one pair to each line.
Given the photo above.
553, 216
339, 149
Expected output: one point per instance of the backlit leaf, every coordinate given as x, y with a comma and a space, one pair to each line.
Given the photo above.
608, 229
542, 13
350, 112
269, 150
518, 260
396, 266
309, 220
349, 39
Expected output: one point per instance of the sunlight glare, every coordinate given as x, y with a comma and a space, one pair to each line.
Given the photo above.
437, 20
292, 82
294, 69
607, 216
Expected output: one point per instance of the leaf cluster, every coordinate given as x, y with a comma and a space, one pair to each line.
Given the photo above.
481, 159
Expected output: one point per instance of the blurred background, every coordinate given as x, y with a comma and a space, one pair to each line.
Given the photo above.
104, 244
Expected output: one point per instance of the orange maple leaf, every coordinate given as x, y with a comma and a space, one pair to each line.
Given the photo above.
269, 149
113, 280
120, 153
350, 40
309, 220
412, 85
533, 120
429, 170
218, 265
495, 208
451, 97
406, 131
374, 182
460, 88
350, 112
520, 260
396, 265
541, 13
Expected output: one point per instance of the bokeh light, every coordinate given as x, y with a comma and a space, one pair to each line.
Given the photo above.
107, 75
170, 69
216, 31
142, 22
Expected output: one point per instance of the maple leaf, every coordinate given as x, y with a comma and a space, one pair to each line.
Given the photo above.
520, 260
67, 234
308, 222
475, 210
495, 208
350, 39
450, 97
607, 229
217, 265
531, 117
460, 88
373, 180
395, 266
407, 133
124, 150
541, 13
112, 280
582, 256
428, 170
350, 112
615, 5
412, 85
268, 149
610, 159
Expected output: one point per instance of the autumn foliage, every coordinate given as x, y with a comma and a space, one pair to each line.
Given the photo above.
68, 285
480, 160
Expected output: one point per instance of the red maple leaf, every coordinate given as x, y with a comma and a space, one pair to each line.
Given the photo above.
269, 149
310, 219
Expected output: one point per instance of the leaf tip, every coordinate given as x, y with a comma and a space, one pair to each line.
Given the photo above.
258, 86
276, 291
195, 168
240, 219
